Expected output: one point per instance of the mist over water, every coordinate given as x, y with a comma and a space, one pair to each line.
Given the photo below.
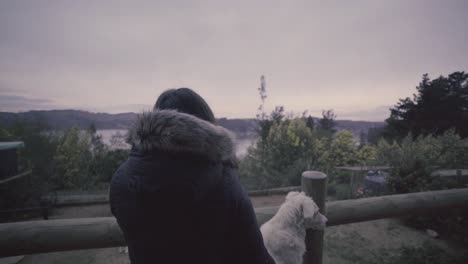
241, 144
107, 134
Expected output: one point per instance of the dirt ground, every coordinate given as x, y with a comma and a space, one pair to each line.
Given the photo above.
374, 241
364, 243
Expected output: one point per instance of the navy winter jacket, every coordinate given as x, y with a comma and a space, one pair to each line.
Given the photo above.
178, 199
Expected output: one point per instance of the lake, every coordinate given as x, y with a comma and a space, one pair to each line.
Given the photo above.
242, 144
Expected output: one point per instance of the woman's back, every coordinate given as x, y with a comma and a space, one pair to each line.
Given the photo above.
177, 198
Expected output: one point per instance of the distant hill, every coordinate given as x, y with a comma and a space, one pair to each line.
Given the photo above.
63, 119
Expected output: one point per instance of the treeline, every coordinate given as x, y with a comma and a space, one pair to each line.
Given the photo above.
422, 134
64, 119
289, 145
438, 105
292, 145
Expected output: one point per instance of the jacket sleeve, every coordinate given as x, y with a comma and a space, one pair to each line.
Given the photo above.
246, 236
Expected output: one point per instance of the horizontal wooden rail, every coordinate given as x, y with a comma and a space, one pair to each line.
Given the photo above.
102, 198
44, 210
359, 210
80, 199
33, 237
273, 191
373, 208
21, 175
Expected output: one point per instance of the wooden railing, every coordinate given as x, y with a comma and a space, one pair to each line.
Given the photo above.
75, 199
85, 233
42, 210
21, 175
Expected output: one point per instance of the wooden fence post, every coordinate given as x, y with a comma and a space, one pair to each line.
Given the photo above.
314, 184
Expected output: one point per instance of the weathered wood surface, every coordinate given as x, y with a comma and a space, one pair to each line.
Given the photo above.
359, 210
314, 184
273, 191
44, 210
367, 209
363, 168
80, 199
21, 175
450, 173
64, 199
71, 234
31, 237
102, 198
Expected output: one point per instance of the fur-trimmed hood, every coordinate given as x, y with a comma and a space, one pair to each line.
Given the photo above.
175, 132
152, 194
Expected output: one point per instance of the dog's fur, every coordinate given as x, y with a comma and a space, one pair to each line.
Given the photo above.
176, 132
284, 234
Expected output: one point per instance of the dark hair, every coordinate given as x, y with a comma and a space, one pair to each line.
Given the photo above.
186, 101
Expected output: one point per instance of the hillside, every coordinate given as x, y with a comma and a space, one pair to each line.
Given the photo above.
62, 119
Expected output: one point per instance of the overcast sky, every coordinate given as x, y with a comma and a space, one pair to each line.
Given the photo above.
356, 57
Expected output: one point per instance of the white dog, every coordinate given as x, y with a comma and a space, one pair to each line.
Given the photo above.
284, 234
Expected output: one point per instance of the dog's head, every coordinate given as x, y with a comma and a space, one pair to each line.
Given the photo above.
310, 211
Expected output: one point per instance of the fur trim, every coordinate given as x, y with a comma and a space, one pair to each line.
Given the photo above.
175, 132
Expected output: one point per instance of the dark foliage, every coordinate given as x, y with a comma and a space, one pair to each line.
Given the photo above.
374, 134
327, 123
439, 105
63, 119
36, 155
310, 123
71, 159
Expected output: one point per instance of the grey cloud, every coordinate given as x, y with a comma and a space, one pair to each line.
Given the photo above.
15, 103
81, 52
135, 108
379, 113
